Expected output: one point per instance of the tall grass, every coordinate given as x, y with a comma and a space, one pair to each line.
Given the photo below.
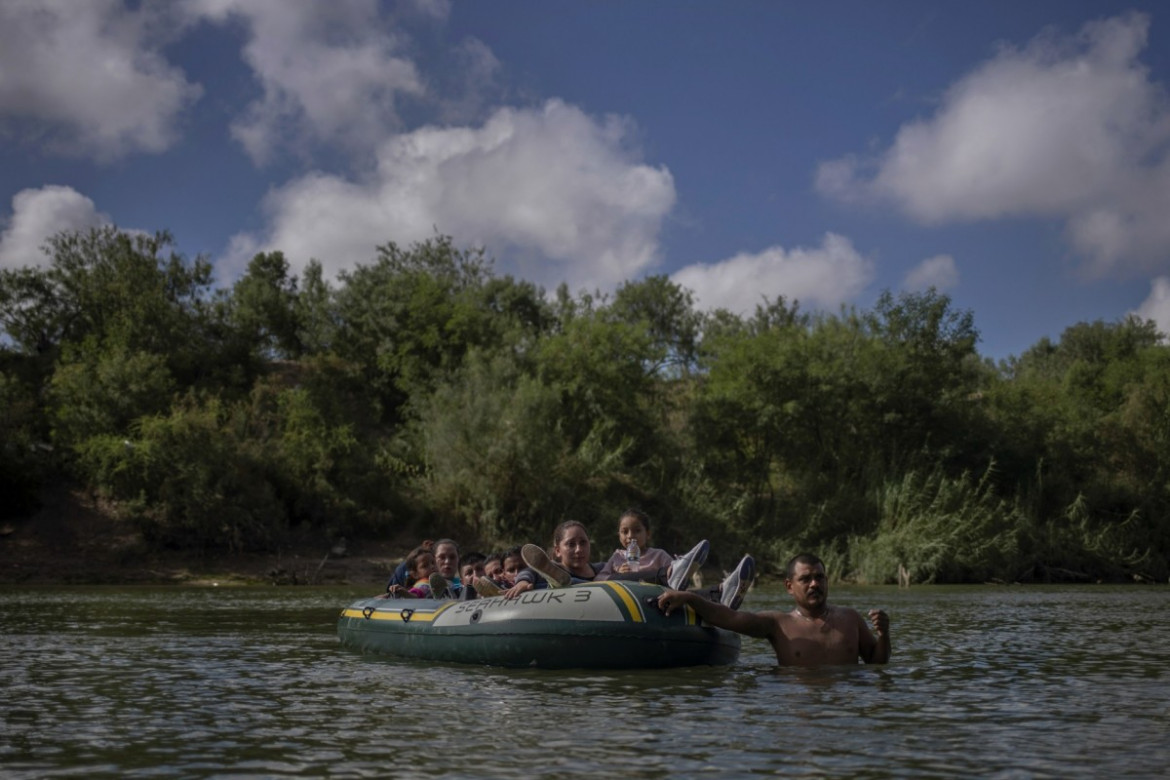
1081, 545
940, 529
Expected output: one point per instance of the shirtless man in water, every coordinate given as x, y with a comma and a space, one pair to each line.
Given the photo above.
812, 634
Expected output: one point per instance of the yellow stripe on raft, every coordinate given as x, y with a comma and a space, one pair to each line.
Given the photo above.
632, 605
635, 608
396, 614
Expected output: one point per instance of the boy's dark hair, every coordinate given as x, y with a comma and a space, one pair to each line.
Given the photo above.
496, 556
511, 552
473, 559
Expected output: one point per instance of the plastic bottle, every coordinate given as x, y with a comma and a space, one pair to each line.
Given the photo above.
633, 555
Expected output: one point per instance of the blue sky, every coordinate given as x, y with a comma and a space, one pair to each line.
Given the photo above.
1013, 155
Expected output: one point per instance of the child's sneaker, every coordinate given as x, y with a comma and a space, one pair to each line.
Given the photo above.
735, 585
439, 588
684, 566
486, 588
538, 560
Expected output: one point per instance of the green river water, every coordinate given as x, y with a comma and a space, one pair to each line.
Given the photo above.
251, 682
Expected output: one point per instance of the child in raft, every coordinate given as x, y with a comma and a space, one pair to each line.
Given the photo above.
634, 526
657, 566
513, 564
420, 565
471, 566
493, 566
401, 575
500, 575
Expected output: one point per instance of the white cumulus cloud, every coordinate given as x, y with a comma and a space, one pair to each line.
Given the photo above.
86, 79
1070, 128
39, 214
1156, 306
819, 277
555, 195
939, 272
329, 71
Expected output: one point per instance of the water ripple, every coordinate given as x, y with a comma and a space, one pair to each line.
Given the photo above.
989, 682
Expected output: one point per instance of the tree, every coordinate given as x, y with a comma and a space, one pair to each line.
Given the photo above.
106, 284
23, 448
497, 459
265, 306
412, 315
104, 393
666, 311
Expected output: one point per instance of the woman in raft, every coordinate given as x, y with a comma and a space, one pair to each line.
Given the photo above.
570, 564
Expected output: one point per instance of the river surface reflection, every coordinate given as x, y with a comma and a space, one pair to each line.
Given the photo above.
984, 682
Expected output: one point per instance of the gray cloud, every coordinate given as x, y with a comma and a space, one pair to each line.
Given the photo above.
330, 72
86, 79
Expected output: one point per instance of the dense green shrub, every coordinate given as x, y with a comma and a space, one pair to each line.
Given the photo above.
189, 480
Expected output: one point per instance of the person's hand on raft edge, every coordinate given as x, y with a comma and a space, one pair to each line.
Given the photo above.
517, 589
392, 592
397, 592
671, 600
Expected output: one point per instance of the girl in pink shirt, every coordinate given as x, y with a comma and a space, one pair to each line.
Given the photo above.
634, 525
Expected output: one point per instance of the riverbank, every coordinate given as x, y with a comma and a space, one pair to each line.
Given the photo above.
71, 542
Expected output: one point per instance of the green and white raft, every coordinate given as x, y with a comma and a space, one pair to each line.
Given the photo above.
596, 625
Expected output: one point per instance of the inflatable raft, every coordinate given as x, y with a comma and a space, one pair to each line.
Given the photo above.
596, 625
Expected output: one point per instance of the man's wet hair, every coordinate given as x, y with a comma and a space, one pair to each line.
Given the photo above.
808, 559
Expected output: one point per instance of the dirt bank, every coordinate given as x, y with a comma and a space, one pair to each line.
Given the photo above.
70, 541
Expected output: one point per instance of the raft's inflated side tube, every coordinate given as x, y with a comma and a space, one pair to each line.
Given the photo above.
597, 625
